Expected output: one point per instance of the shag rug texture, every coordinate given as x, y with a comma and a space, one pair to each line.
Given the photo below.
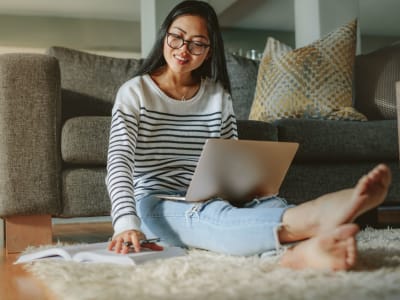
205, 275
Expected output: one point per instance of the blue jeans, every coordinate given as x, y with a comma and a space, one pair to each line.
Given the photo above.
215, 224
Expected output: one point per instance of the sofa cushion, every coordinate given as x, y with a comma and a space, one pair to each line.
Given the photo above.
84, 140
314, 81
341, 141
243, 77
375, 76
84, 193
306, 181
257, 130
89, 82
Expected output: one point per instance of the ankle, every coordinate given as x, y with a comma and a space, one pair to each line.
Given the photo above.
284, 234
299, 223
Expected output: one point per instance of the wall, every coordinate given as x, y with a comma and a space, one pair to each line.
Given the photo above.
256, 39
35, 34
122, 38
370, 43
246, 39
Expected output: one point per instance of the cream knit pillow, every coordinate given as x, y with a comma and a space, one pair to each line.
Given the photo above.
309, 82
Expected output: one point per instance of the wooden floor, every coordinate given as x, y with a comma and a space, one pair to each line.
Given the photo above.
16, 283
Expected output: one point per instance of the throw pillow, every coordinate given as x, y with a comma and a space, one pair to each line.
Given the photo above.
376, 74
309, 82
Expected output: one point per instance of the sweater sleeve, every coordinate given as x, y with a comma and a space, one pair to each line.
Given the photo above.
228, 126
120, 164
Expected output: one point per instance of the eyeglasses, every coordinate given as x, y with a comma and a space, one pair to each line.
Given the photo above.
176, 42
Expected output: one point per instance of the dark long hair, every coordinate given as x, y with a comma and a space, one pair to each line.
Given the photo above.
215, 66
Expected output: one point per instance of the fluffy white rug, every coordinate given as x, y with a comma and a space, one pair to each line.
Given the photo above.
205, 275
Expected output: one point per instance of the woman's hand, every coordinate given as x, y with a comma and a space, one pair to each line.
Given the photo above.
121, 242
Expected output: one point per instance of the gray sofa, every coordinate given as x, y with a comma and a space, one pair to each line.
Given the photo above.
55, 117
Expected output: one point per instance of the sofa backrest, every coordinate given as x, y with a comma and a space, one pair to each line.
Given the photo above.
90, 82
243, 77
375, 75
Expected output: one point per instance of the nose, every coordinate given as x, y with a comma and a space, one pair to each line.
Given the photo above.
185, 47
184, 53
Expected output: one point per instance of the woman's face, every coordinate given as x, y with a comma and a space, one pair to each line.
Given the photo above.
188, 57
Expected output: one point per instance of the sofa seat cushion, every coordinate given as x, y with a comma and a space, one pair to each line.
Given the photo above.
257, 130
84, 192
306, 181
341, 141
84, 140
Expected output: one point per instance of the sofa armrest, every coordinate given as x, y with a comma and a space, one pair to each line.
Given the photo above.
30, 97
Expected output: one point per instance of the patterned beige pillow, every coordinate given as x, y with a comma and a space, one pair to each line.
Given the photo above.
309, 82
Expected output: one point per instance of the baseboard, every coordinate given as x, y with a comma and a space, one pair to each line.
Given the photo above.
389, 216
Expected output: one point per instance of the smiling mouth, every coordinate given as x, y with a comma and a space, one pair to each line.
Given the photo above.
180, 59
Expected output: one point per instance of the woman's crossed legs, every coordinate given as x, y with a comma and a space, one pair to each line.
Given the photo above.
326, 224
323, 228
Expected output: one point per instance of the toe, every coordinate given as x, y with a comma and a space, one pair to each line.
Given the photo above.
351, 255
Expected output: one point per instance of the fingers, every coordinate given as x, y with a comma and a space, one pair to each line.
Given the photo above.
136, 243
111, 245
127, 240
121, 242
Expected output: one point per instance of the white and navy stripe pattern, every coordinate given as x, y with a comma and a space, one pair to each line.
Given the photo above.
155, 141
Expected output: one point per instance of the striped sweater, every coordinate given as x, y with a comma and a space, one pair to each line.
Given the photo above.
155, 141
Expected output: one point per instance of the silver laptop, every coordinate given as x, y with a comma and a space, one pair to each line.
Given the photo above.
239, 170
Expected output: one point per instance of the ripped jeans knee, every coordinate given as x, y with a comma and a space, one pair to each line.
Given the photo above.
214, 225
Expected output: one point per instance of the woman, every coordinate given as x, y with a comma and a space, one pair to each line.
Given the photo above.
161, 119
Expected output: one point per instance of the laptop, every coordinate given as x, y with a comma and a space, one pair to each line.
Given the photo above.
238, 170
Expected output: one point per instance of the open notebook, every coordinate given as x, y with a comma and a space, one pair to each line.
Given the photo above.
239, 170
98, 253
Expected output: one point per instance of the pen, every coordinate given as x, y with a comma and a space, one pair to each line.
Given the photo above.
153, 240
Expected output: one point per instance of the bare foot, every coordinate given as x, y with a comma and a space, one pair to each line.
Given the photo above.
335, 250
334, 209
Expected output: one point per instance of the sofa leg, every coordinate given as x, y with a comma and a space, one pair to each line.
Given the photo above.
24, 231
